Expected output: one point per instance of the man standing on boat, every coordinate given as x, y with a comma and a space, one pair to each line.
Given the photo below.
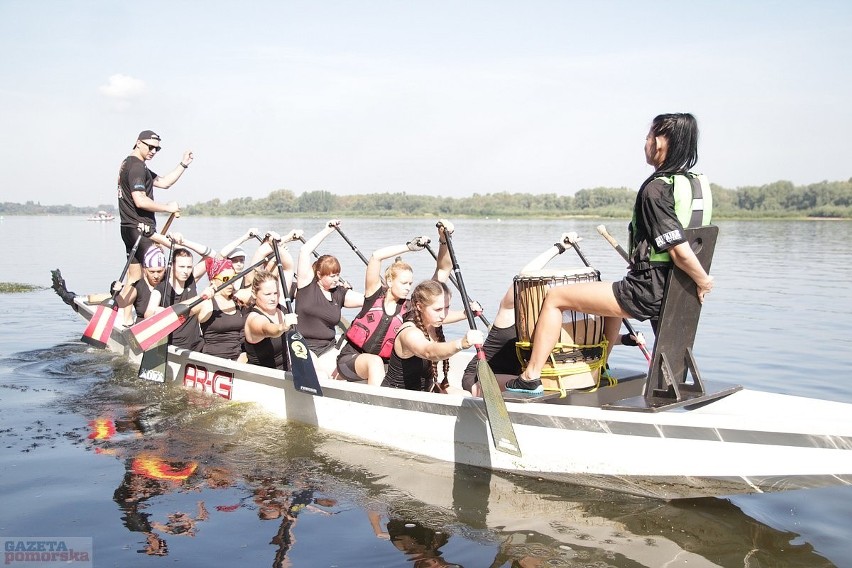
136, 203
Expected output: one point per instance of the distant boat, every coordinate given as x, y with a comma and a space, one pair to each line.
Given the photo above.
102, 216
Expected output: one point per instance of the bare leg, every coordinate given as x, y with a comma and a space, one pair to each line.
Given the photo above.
370, 367
590, 298
506, 312
325, 364
134, 273
612, 331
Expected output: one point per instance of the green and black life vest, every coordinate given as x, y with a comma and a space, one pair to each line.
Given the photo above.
693, 207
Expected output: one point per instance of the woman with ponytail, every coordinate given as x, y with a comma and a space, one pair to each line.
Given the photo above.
371, 334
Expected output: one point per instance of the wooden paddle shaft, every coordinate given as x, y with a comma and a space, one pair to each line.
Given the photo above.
168, 224
611, 240
624, 320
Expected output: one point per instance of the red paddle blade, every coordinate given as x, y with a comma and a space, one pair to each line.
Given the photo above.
100, 326
150, 331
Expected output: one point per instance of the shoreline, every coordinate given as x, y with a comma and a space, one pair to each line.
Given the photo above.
498, 218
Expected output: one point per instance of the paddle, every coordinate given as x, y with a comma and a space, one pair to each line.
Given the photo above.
456, 284
351, 244
572, 240
150, 331
502, 431
168, 224
611, 240
100, 326
154, 362
339, 279
301, 366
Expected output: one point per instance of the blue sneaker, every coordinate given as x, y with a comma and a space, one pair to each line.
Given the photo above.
520, 385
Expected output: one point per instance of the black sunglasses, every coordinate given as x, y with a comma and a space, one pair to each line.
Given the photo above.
151, 147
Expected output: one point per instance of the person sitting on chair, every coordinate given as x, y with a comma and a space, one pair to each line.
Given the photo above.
663, 206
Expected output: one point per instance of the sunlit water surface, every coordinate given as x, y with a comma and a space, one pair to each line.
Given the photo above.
158, 475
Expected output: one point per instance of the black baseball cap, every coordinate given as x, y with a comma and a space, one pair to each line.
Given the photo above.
148, 135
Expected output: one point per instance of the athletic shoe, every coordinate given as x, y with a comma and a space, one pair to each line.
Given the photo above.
608, 377
520, 385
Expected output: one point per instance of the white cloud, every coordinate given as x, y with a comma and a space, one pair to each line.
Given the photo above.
122, 87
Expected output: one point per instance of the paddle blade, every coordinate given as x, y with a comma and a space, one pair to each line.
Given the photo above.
155, 362
152, 330
100, 326
301, 366
495, 407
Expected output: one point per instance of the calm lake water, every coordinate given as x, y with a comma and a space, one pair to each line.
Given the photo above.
160, 475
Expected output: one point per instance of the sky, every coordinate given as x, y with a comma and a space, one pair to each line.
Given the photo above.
445, 97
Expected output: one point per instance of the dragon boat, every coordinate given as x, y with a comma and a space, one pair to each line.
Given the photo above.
660, 432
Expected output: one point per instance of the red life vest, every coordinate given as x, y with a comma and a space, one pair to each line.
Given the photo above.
373, 330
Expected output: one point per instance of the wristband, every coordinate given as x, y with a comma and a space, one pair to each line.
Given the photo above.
560, 247
184, 166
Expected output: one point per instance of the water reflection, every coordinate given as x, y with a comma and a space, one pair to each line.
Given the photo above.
202, 475
420, 544
280, 499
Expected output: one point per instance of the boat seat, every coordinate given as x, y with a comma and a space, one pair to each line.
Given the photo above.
668, 384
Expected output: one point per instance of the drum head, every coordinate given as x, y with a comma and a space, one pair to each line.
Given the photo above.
557, 272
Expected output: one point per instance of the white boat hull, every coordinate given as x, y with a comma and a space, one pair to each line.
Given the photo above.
749, 441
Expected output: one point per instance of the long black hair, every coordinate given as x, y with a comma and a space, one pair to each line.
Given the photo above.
681, 131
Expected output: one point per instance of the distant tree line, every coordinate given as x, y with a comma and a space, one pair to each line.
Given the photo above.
779, 199
33, 208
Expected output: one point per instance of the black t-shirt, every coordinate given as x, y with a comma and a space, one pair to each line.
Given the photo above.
640, 293
270, 351
134, 175
657, 224
143, 297
188, 335
318, 316
224, 332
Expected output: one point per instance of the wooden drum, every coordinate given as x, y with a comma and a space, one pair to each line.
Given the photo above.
577, 358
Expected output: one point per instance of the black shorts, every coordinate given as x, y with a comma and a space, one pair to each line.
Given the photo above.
500, 353
320, 347
128, 235
640, 293
346, 363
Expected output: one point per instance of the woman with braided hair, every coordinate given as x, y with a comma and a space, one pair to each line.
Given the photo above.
420, 343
